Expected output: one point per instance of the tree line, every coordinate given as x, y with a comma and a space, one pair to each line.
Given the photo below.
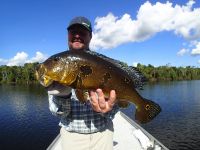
169, 73
26, 74
18, 74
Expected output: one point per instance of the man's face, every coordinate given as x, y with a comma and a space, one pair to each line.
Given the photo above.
78, 38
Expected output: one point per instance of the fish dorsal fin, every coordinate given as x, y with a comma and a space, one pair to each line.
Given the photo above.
141, 79
136, 76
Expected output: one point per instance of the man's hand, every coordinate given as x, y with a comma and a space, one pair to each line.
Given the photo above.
100, 103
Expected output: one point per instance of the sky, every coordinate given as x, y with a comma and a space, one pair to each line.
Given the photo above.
134, 31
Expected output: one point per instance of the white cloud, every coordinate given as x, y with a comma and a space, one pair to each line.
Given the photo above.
198, 61
135, 64
38, 58
21, 58
196, 50
182, 52
18, 59
111, 31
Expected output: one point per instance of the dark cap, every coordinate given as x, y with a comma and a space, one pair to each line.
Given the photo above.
81, 21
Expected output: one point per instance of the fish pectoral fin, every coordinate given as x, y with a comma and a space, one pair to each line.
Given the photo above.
82, 95
69, 78
123, 103
147, 111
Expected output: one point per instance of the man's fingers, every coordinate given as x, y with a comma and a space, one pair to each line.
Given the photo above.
112, 98
102, 102
99, 103
94, 101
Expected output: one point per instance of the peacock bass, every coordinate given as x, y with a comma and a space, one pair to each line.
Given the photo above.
88, 70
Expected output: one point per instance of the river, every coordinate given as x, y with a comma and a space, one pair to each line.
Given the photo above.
26, 122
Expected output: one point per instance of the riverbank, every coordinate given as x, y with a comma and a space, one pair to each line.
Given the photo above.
26, 74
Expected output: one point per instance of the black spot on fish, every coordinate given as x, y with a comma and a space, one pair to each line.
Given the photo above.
77, 82
106, 77
147, 107
85, 70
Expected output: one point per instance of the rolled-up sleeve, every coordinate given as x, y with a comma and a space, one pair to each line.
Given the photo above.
59, 106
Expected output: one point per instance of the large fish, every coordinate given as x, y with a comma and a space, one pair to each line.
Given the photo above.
88, 70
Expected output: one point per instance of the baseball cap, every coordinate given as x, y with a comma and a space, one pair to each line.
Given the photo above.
81, 21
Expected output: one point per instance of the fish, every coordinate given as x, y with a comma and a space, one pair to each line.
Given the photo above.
86, 70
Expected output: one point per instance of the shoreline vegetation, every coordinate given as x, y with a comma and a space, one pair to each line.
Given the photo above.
26, 74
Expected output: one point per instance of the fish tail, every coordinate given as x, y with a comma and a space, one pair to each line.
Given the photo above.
147, 111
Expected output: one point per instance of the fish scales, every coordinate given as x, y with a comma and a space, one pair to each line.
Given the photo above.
87, 70
137, 77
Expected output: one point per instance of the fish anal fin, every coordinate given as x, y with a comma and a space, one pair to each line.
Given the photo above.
123, 103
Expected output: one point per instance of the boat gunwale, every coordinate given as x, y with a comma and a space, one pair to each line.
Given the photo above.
54, 142
129, 120
133, 123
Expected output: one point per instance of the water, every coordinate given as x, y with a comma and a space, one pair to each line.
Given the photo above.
26, 122
178, 125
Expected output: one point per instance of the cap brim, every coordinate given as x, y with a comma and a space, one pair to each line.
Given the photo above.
80, 25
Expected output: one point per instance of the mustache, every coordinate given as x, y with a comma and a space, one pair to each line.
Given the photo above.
77, 40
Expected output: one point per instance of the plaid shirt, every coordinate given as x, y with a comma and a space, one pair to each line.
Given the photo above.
78, 117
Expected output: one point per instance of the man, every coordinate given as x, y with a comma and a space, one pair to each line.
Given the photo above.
85, 126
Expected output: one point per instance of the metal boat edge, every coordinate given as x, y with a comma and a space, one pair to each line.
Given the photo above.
137, 126
157, 145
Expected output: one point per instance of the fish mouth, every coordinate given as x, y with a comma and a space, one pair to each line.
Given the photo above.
43, 79
46, 81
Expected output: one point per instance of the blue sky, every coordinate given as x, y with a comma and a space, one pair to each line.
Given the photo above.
146, 32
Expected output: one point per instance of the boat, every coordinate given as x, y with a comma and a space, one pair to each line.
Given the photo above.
128, 135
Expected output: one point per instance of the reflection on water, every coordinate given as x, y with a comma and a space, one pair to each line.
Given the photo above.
178, 125
26, 122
